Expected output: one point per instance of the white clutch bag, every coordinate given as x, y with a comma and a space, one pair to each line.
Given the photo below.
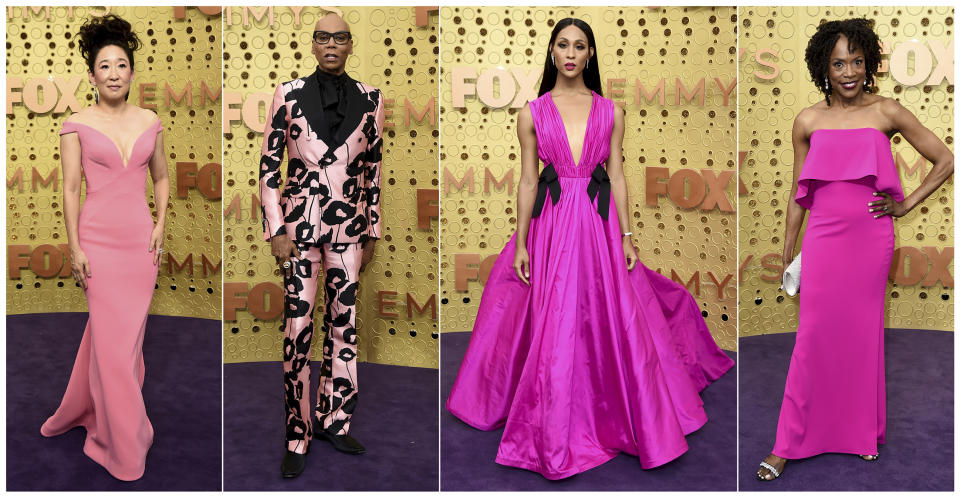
791, 277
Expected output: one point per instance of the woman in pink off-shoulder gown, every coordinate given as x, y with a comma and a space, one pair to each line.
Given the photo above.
579, 351
115, 251
844, 174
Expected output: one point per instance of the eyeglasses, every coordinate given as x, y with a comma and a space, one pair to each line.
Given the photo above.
340, 37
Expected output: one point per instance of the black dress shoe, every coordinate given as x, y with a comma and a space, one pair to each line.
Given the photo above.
342, 442
293, 464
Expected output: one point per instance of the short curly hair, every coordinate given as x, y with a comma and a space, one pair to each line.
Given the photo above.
99, 32
861, 35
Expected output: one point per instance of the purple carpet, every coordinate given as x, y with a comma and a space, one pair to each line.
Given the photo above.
918, 454
181, 392
710, 464
396, 420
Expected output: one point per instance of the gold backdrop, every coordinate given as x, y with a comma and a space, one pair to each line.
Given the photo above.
395, 50
176, 73
916, 70
680, 142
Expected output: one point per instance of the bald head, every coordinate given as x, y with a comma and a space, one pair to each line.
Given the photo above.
331, 23
331, 56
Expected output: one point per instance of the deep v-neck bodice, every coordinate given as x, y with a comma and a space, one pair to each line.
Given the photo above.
553, 145
124, 161
563, 127
103, 163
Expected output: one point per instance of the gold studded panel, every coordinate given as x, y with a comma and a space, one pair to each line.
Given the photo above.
177, 74
395, 50
916, 70
674, 71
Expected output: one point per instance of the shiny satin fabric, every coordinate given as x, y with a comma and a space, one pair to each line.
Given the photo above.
331, 193
590, 359
104, 391
834, 399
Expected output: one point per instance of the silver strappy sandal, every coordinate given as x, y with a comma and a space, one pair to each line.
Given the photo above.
773, 470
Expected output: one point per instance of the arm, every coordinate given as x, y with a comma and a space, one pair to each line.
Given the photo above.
928, 145
161, 195
618, 185
271, 157
795, 213
72, 172
526, 190
372, 165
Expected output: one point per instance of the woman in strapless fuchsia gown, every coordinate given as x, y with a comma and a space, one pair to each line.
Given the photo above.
578, 354
114, 250
844, 174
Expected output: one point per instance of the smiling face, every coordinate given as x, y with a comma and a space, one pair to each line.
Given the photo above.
847, 69
112, 73
332, 57
571, 51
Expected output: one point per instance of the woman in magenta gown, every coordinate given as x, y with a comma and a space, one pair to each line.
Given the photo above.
115, 250
844, 174
579, 351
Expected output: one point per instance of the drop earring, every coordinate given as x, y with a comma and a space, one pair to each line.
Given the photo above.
96, 95
552, 61
588, 64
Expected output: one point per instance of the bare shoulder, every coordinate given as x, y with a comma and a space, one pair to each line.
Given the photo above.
525, 116
889, 107
804, 120
81, 116
144, 116
618, 109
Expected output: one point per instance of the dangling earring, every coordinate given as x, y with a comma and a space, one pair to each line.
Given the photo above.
552, 61
96, 96
588, 64
826, 83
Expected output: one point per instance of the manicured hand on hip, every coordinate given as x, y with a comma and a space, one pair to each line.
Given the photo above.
886, 206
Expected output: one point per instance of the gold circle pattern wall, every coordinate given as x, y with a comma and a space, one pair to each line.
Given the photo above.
395, 50
917, 71
177, 75
673, 69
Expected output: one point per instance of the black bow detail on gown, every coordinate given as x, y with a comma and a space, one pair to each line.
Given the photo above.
548, 181
600, 183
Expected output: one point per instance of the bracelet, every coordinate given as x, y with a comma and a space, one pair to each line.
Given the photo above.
628, 233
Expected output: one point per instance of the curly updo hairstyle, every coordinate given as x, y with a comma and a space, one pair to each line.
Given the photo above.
99, 32
860, 34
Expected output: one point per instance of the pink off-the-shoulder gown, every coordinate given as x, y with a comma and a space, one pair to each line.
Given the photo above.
590, 359
104, 391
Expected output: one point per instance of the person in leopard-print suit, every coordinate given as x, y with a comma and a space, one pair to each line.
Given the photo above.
324, 223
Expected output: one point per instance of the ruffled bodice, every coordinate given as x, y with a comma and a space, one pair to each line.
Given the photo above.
845, 155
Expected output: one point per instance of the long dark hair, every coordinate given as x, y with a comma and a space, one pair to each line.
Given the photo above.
860, 34
591, 75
